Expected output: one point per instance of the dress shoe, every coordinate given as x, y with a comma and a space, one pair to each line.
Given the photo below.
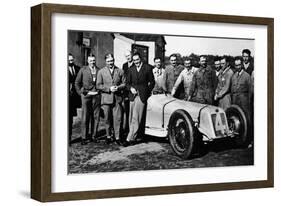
94, 140
118, 142
84, 142
109, 140
127, 143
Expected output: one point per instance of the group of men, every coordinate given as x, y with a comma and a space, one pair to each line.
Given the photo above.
122, 93
220, 85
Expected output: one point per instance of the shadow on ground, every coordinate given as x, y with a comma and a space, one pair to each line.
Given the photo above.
151, 154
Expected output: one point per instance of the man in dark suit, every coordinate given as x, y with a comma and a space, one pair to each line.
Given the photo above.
85, 85
241, 88
248, 66
126, 103
111, 82
171, 74
204, 84
140, 82
74, 100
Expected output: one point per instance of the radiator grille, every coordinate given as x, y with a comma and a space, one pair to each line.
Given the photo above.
219, 124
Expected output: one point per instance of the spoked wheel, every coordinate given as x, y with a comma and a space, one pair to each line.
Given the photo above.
181, 133
237, 123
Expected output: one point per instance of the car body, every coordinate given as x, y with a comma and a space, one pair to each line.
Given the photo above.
209, 121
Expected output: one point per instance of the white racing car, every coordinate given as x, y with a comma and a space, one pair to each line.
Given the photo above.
186, 122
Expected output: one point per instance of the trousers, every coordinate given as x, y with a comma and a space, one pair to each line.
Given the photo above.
126, 114
113, 118
135, 118
225, 102
90, 115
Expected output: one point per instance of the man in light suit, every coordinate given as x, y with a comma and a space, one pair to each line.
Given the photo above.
222, 94
140, 82
111, 81
74, 100
85, 85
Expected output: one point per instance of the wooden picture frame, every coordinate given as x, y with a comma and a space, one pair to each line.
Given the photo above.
41, 117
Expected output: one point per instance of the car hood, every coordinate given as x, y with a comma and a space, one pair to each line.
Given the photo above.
169, 104
162, 100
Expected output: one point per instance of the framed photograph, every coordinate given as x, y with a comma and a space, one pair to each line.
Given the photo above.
130, 102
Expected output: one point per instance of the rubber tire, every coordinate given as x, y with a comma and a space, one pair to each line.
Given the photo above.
181, 114
241, 139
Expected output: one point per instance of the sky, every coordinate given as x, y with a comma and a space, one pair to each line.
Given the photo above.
202, 45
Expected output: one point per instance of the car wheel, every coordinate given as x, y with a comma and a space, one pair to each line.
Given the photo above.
180, 132
238, 125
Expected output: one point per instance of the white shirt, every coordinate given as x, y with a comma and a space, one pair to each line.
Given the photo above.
111, 70
93, 70
158, 76
130, 64
218, 72
239, 74
138, 68
72, 70
246, 65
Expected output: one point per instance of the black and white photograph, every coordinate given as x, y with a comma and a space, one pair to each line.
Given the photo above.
152, 102
132, 102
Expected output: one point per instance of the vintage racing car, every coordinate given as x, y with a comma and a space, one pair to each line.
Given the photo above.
185, 122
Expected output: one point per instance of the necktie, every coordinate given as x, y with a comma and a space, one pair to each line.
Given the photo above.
73, 71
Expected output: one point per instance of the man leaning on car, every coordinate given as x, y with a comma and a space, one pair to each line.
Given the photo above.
186, 77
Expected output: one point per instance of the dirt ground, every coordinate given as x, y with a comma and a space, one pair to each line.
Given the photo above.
153, 154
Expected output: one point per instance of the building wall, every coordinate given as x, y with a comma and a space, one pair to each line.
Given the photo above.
74, 48
121, 45
101, 44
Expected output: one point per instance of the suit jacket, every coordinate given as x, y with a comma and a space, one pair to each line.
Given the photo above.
171, 75
250, 68
86, 81
105, 80
142, 81
74, 98
224, 80
125, 69
72, 76
203, 85
241, 90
